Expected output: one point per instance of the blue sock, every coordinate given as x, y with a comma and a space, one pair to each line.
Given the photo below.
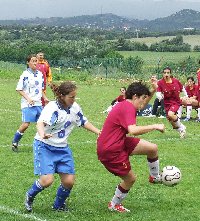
35, 189
62, 194
17, 137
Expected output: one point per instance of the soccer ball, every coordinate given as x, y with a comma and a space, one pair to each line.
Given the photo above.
170, 175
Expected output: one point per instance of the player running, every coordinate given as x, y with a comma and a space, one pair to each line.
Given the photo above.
52, 153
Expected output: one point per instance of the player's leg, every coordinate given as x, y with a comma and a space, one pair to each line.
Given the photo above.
39, 185
29, 114
63, 191
121, 192
18, 135
44, 167
151, 151
176, 123
65, 168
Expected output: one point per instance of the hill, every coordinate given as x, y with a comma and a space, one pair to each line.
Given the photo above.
186, 19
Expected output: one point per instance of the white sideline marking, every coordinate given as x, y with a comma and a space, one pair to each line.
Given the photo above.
15, 212
8, 110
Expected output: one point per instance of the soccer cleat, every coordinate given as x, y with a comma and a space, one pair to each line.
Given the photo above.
15, 147
63, 208
155, 180
28, 203
186, 119
118, 207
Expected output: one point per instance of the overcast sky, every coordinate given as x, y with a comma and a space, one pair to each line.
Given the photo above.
140, 9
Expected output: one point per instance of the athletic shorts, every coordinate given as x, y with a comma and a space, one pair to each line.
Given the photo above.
120, 164
31, 114
50, 159
174, 108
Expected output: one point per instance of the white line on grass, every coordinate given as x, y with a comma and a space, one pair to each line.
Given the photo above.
8, 110
15, 212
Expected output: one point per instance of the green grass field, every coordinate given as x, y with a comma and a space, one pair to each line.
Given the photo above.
189, 39
94, 185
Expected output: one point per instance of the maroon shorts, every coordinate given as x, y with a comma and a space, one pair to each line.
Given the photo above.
174, 108
120, 164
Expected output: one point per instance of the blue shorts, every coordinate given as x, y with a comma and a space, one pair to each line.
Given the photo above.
31, 114
50, 159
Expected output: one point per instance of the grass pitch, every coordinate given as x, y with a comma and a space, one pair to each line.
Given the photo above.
94, 185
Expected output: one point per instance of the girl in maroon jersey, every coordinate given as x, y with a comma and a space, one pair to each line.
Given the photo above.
114, 146
190, 101
169, 88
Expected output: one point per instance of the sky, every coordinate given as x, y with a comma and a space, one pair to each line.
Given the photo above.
135, 9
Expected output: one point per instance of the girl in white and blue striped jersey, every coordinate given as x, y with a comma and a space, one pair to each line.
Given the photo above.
31, 87
52, 153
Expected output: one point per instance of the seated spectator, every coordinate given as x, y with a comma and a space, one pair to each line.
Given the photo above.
191, 101
158, 108
120, 98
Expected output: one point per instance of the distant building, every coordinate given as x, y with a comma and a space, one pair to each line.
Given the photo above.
188, 29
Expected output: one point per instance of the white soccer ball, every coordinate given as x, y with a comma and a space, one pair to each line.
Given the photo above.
170, 175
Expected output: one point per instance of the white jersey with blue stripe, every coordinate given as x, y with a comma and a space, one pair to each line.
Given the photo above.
60, 122
32, 83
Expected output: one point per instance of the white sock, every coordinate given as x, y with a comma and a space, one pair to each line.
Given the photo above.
118, 197
199, 112
189, 110
179, 112
177, 123
154, 168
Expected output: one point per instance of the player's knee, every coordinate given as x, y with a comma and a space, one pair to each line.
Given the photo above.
68, 183
154, 149
170, 115
132, 180
47, 181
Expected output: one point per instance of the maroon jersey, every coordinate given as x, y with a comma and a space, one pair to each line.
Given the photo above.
192, 91
120, 98
198, 77
171, 91
111, 141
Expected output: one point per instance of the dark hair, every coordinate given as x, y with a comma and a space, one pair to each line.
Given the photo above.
28, 58
190, 78
138, 89
123, 88
63, 89
167, 68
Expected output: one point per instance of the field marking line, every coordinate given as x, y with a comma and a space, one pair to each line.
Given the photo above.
15, 212
8, 110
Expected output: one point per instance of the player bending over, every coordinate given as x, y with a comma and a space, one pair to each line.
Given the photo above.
114, 146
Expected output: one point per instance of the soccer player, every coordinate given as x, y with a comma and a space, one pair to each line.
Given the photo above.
30, 86
44, 67
169, 88
52, 153
190, 101
120, 98
114, 146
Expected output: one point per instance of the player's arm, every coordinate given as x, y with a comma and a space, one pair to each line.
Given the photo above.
46, 100
23, 94
154, 85
138, 130
40, 129
91, 128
